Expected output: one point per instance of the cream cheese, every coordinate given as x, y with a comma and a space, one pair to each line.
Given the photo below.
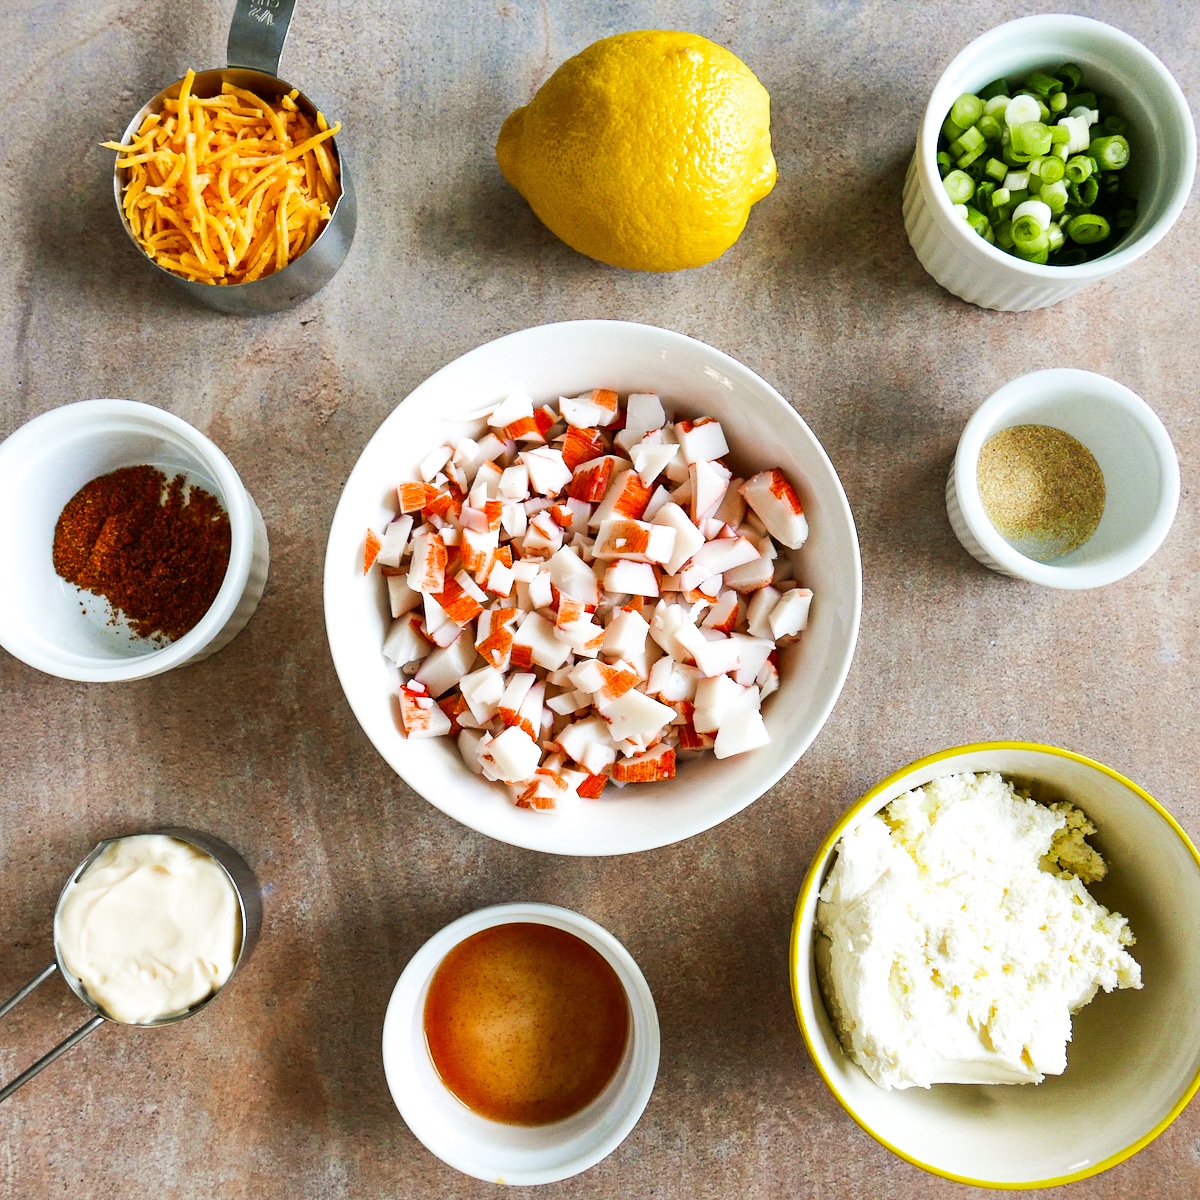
959, 939
150, 929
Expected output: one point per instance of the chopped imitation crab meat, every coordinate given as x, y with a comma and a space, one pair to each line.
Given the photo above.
580, 606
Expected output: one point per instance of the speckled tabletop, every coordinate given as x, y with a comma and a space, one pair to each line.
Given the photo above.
277, 1090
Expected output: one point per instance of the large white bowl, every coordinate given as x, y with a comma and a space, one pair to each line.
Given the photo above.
763, 431
1163, 161
1134, 1059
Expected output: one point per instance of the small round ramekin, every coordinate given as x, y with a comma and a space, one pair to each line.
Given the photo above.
42, 465
1134, 1059
1131, 447
1163, 162
490, 1150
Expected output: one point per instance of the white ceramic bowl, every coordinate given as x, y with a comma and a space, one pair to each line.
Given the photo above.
1163, 162
1134, 1059
1131, 447
516, 1154
763, 431
42, 465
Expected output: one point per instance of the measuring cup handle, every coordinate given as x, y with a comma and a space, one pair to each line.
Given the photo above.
257, 34
62, 1047
21, 993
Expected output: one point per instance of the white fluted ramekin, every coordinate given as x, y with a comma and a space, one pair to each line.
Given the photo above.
1131, 447
516, 1154
42, 465
1163, 161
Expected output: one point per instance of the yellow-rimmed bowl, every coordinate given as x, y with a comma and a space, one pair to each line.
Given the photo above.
1134, 1061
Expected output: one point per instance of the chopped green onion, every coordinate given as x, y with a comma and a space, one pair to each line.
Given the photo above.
966, 110
1079, 168
1085, 192
990, 127
1047, 169
971, 139
1070, 74
980, 224
1054, 195
1033, 210
1037, 251
1043, 84
1027, 233
1110, 153
1021, 110
1031, 138
1087, 228
960, 187
1027, 166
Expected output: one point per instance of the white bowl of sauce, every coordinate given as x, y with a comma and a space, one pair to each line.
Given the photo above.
521, 1044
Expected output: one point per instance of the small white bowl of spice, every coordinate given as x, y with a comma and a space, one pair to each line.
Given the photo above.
131, 544
1064, 478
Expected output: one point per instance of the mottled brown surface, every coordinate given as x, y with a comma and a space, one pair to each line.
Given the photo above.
277, 1089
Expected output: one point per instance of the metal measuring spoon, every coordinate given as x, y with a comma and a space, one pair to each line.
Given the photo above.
256, 39
249, 899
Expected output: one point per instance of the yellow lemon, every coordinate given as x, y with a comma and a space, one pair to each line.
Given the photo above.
644, 151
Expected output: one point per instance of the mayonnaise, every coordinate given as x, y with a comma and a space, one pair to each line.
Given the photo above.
150, 929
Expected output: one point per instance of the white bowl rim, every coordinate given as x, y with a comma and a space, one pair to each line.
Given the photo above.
643, 1013
798, 956
1097, 268
733, 369
1050, 574
234, 497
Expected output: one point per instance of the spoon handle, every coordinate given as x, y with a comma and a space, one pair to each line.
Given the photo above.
257, 34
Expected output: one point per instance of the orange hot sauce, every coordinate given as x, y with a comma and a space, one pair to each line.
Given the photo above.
525, 1023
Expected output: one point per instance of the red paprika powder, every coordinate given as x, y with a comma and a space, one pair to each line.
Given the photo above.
156, 551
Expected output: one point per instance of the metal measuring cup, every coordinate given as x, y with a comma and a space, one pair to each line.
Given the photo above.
249, 898
256, 39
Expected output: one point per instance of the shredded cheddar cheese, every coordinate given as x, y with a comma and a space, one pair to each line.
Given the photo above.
228, 189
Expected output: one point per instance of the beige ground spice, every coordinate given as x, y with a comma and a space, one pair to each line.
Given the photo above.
1041, 489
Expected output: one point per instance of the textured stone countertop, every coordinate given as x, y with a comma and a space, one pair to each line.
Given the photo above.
277, 1090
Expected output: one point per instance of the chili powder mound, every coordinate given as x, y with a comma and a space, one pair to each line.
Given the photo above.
157, 551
